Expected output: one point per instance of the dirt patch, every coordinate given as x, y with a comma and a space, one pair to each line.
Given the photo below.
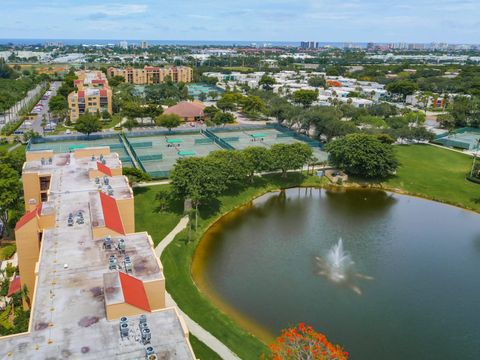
87, 321
97, 292
84, 349
41, 326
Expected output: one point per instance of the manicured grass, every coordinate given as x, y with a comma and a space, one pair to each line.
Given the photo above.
148, 216
202, 351
177, 261
239, 68
437, 174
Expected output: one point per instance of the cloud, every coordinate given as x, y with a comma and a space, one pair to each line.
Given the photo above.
111, 10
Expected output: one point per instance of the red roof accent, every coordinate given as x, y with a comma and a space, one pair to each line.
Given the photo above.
81, 93
104, 169
15, 286
98, 81
111, 214
26, 218
103, 92
134, 292
77, 82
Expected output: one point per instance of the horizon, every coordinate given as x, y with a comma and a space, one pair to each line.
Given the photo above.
422, 21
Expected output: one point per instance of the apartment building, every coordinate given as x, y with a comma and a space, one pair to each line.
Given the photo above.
96, 287
92, 94
153, 74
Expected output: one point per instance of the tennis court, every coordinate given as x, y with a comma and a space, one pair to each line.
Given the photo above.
465, 138
65, 146
266, 137
157, 154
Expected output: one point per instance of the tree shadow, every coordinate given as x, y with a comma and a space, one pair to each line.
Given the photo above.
209, 208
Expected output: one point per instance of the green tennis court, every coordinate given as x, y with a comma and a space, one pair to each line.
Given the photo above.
159, 159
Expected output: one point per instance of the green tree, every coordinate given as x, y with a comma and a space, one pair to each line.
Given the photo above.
227, 102
210, 111
317, 81
163, 198
267, 82
129, 124
305, 97
221, 118
253, 104
57, 103
402, 87
258, 159
447, 121
287, 157
88, 123
10, 193
168, 121
362, 155
232, 164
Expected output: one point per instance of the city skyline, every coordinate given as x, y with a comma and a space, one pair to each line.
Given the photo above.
423, 21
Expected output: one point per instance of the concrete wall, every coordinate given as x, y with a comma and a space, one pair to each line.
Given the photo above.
28, 250
126, 207
88, 152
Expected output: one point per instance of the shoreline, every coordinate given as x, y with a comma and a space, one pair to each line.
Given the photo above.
216, 300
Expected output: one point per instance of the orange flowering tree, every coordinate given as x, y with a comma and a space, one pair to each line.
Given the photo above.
304, 343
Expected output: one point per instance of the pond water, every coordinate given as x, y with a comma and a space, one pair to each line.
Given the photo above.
411, 290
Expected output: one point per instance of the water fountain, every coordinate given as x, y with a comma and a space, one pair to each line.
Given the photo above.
338, 262
337, 267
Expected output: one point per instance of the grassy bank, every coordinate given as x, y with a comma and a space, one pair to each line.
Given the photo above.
148, 216
436, 174
177, 261
202, 351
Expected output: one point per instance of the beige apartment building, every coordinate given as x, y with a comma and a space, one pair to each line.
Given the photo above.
92, 94
96, 287
153, 75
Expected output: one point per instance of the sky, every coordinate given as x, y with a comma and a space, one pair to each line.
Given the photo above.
454, 21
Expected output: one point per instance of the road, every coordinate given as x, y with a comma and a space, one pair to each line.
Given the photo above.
36, 125
12, 114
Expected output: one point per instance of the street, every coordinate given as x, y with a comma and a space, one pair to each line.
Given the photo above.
36, 124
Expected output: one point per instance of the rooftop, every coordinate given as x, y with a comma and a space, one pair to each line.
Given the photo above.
68, 318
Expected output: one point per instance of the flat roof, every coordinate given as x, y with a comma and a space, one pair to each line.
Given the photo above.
68, 317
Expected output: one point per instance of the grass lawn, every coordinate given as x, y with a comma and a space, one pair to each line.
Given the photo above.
437, 174
202, 351
177, 261
148, 216
239, 68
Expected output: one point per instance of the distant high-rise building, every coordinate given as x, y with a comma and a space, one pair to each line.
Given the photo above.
123, 44
144, 45
309, 45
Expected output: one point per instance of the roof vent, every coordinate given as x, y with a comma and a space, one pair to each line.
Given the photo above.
104, 162
150, 353
50, 160
124, 330
70, 219
93, 157
121, 246
42, 161
107, 242
128, 264
105, 180
110, 192
112, 262
97, 180
146, 336
80, 219
143, 319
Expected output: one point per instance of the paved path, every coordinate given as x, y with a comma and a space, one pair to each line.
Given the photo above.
211, 341
151, 183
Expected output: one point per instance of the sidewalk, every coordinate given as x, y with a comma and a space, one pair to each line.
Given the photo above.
203, 335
